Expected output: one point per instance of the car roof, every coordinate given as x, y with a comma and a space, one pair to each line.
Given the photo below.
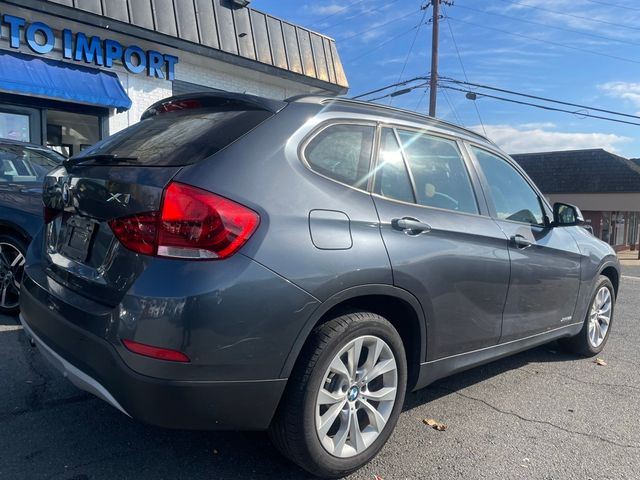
9, 141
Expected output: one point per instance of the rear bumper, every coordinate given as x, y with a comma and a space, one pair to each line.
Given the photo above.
73, 374
94, 365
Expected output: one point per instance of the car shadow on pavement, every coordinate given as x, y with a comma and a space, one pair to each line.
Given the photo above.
551, 352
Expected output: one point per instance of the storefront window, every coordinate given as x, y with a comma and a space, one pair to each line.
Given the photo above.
70, 133
14, 126
619, 228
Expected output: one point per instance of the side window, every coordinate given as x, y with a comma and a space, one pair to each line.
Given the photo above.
513, 197
343, 153
392, 179
439, 173
8, 161
19, 164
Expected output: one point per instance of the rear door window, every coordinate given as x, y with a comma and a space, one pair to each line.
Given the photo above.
342, 153
179, 138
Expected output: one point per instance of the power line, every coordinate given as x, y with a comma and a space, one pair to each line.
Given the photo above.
543, 107
614, 5
387, 87
421, 99
596, 20
380, 45
415, 37
557, 44
351, 17
397, 93
337, 12
455, 112
357, 34
445, 85
464, 72
571, 30
544, 99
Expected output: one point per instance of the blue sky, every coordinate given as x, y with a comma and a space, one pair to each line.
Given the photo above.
532, 46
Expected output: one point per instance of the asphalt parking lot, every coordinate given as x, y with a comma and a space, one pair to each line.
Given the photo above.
541, 414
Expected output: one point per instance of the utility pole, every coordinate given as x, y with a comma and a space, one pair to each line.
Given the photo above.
433, 82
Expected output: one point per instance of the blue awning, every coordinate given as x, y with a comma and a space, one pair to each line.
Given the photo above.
25, 74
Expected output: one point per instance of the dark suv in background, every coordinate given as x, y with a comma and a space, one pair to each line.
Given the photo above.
23, 167
233, 262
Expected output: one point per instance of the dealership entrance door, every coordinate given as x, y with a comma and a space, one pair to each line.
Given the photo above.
65, 127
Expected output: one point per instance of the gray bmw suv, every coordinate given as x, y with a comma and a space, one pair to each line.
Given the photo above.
233, 262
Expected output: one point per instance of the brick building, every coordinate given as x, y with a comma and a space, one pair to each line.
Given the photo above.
605, 186
70, 75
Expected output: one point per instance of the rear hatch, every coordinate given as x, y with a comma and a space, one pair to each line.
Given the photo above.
125, 176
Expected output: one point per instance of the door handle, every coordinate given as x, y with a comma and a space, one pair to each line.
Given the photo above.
521, 242
410, 226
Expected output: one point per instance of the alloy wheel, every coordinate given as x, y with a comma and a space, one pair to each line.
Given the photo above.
11, 268
356, 397
600, 317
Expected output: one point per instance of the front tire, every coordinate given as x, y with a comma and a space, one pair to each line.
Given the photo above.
597, 325
344, 396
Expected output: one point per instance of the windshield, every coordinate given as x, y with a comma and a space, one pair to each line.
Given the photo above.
24, 164
177, 138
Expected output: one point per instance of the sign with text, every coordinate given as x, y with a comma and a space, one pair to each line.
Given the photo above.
79, 47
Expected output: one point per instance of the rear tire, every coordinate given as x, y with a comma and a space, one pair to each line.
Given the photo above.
597, 324
12, 258
329, 421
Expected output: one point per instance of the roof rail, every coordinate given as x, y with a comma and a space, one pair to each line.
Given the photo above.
323, 99
421, 116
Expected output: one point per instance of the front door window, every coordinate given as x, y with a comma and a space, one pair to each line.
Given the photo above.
513, 197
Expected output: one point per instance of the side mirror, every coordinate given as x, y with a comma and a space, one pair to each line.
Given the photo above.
565, 215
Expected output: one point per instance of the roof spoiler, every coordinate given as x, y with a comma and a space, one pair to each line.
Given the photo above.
212, 99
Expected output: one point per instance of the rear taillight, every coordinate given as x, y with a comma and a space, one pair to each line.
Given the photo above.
192, 223
137, 232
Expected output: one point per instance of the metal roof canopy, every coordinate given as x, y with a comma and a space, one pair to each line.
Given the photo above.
215, 28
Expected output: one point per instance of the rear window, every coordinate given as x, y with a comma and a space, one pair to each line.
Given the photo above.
179, 138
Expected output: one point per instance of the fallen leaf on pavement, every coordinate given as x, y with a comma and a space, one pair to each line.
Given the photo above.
441, 427
599, 361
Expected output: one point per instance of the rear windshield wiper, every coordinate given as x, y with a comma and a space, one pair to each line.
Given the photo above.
100, 157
